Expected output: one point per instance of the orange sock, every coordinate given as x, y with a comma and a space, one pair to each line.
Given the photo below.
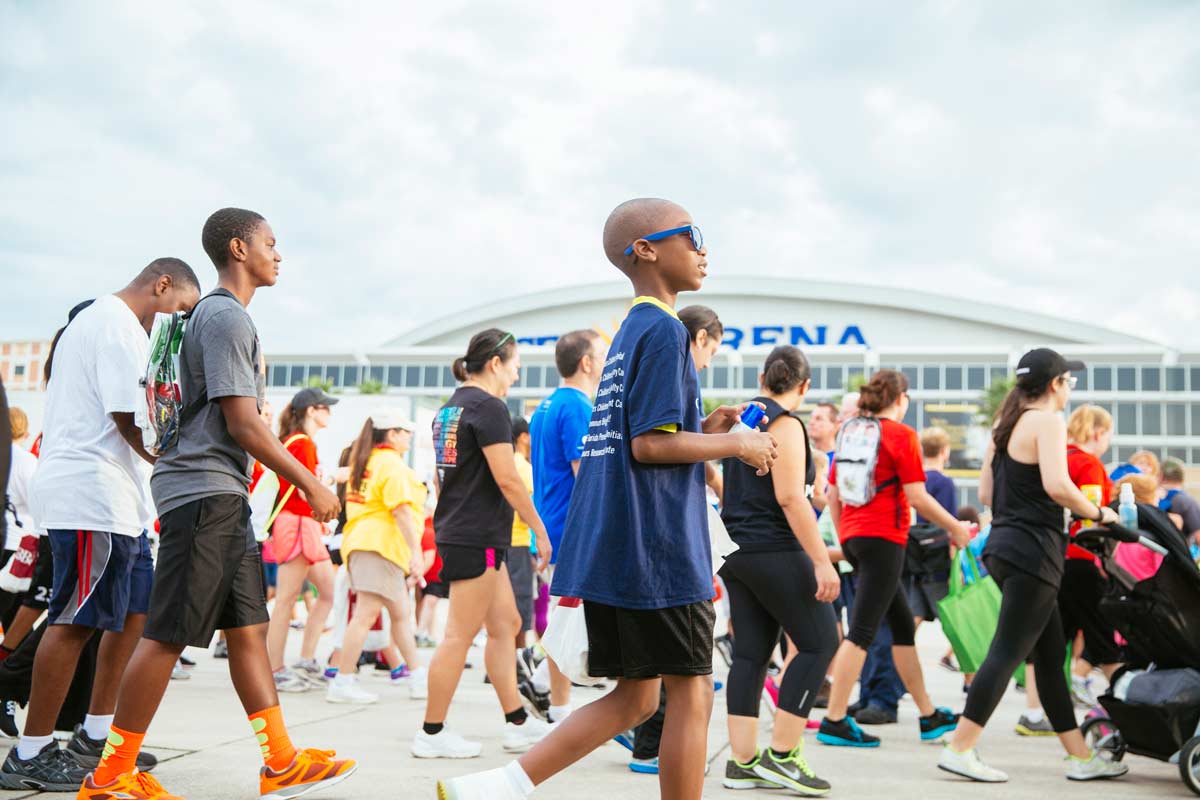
120, 755
277, 749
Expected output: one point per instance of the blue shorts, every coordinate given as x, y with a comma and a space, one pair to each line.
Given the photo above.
99, 578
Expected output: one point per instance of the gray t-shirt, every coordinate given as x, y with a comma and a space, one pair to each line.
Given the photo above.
1186, 506
220, 357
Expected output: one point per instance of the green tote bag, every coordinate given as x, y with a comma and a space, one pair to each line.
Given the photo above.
970, 613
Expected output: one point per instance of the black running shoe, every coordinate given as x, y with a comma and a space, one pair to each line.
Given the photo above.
938, 724
536, 703
88, 751
186, 662
8, 718
51, 770
845, 733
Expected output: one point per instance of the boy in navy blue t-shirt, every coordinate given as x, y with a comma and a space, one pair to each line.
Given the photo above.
635, 546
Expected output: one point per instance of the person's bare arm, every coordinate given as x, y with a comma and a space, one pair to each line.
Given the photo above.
985, 474
833, 505
504, 472
659, 447
409, 530
252, 435
788, 474
1051, 433
575, 466
132, 434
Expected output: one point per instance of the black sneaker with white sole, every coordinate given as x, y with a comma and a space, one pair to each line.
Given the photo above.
536, 703
88, 751
51, 770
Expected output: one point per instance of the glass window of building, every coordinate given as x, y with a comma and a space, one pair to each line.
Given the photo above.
1176, 419
1126, 379
954, 378
395, 375
931, 377
913, 417
1102, 379
412, 376
1195, 459
1196, 418
1151, 419
818, 376
720, 377
1082, 384
833, 377
853, 373
1124, 453
532, 378
750, 379
1195, 378
1151, 379
552, 378
279, 375
448, 377
1176, 379
314, 371
976, 377
430, 377
1126, 416
1179, 453
911, 372
998, 372
333, 374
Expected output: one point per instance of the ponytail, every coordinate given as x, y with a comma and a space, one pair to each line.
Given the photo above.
289, 423
881, 392
484, 346
360, 453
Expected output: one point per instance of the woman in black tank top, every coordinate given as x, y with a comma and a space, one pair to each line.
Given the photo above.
780, 577
1026, 483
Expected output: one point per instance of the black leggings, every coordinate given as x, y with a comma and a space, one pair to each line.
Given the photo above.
1029, 624
878, 565
767, 592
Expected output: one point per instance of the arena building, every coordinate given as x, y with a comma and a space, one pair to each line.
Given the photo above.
952, 350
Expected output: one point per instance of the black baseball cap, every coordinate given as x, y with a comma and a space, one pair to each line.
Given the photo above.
312, 396
1039, 367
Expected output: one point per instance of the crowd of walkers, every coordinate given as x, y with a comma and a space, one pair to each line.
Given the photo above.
118, 556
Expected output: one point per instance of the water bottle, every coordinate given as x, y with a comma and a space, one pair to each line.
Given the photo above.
1127, 510
749, 420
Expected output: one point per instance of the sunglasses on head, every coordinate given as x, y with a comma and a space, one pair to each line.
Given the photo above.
690, 230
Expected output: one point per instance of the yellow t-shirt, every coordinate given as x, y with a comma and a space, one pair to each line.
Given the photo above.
388, 483
522, 537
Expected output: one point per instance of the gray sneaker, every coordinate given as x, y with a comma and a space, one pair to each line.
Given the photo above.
288, 681
791, 772
743, 776
1027, 727
51, 770
311, 671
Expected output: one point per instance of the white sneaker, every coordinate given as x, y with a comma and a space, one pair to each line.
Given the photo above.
446, 744
490, 785
1082, 693
969, 765
348, 692
519, 738
418, 685
1095, 768
288, 681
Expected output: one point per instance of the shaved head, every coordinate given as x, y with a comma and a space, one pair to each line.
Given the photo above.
634, 219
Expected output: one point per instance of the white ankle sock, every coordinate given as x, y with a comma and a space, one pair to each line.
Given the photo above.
30, 746
343, 679
559, 713
541, 676
1035, 714
518, 779
96, 725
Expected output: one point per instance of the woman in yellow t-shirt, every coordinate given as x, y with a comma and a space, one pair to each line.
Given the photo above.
381, 547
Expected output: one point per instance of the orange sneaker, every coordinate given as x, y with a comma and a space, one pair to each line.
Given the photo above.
132, 786
310, 769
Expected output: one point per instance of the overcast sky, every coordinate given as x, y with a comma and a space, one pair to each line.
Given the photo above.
418, 157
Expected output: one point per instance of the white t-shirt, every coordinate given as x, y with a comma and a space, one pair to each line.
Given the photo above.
24, 464
88, 477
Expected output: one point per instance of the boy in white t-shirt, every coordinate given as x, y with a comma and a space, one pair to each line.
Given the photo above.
90, 493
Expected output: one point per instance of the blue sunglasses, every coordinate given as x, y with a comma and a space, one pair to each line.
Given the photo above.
690, 230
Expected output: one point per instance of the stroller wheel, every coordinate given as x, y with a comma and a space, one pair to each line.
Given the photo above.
1189, 764
1102, 735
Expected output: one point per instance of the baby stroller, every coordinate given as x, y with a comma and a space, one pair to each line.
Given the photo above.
1159, 617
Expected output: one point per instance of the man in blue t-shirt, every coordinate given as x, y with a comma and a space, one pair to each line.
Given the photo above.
557, 430
635, 546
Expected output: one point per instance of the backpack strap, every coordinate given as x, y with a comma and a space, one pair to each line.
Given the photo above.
192, 408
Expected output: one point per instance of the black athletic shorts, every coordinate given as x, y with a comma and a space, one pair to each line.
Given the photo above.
209, 575
462, 563
439, 589
638, 643
37, 596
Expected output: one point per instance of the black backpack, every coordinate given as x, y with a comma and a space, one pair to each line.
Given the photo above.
928, 552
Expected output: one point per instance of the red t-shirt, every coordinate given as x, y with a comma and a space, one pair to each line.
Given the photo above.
427, 543
1084, 468
887, 516
255, 474
303, 449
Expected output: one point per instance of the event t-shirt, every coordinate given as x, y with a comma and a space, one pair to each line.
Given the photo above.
304, 450
556, 432
887, 516
1085, 469
88, 477
220, 357
636, 534
24, 465
471, 509
941, 488
428, 542
1185, 506
521, 535
388, 483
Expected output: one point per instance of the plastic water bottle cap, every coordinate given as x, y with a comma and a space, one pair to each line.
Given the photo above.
1127, 493
752, 416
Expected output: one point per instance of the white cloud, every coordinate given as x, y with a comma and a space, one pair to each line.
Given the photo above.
421, 158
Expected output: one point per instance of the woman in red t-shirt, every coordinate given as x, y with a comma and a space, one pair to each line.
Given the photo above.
1089, 433
874, 537
296, 540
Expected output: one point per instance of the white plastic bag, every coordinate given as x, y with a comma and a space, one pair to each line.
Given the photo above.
566, 641
722, 545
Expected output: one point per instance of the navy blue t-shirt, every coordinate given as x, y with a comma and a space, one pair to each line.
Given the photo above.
556, 433
637, 534
941, 487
